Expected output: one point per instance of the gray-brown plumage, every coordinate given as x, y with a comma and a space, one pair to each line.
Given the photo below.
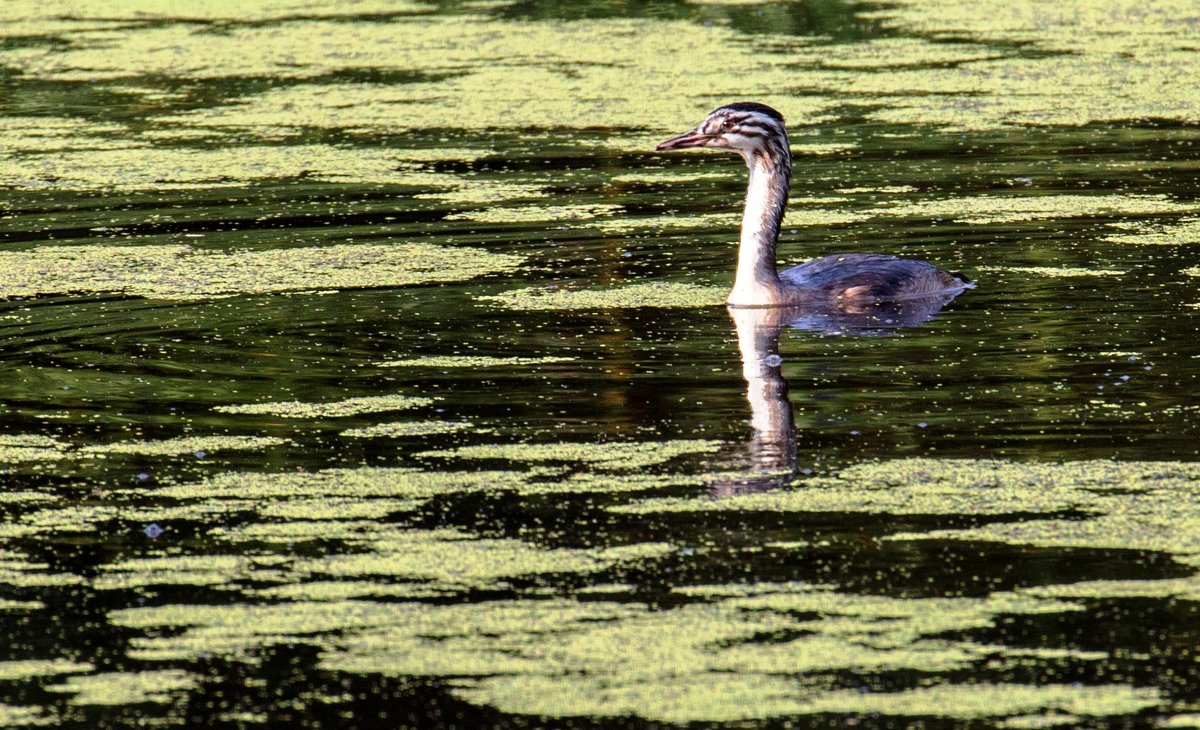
757, 133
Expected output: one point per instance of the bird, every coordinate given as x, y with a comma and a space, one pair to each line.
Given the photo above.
757, 132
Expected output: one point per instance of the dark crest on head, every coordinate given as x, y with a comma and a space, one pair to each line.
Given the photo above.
754, 106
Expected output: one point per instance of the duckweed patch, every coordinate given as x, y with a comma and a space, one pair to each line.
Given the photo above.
187, 445
125, 688
697, 661
471, 361
24, 669
404, 429
332, 409
694, 662
991, 209
124, 161
949, 486
1056, 272
1105, 59
13, 716
648, 294
183, 272
616, 455
30, 447
1184, 232
456, 560
536, 213
356, 483
189, 570
478, 56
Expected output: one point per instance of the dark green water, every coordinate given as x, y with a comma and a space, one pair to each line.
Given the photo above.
987, 519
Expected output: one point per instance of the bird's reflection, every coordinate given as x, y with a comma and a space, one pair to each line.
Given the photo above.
772, 447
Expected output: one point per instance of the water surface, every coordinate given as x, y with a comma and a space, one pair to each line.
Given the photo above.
365, 364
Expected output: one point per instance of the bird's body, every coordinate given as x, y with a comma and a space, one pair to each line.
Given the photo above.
757, 133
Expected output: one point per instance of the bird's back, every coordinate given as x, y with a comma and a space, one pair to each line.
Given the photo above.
868, 276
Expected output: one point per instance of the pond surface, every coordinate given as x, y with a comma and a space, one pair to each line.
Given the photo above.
366, 367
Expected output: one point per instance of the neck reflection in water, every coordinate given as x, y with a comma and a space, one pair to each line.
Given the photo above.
772, 446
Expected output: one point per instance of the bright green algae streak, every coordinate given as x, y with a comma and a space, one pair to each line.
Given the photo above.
332, 409
559, 657
183, 272
650, 294
693, 662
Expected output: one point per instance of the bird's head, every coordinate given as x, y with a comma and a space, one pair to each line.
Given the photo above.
754, 131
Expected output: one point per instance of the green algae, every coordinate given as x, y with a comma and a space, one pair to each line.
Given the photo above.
1056, 272
17, 570
1086, 62
123, 161
406, 429
529, 213
880, 190
895, 54
614, 455
1183, 232
52, 134
1152, 518
471, 361
800, 214
1182, 588
627, 224
184, 272
1130, 505
7, 604
102, 14
726, 698
586, 483
333, 508
695, 662
30, 447
560, 657
333, 484
289, 533
13, 716
479, 55
331, 409
189, 570
661, 176
991, 209
950, 486
452, 559
187, 445
648, 294
126, 688
994, 700
341, 590
22, 448
24, 669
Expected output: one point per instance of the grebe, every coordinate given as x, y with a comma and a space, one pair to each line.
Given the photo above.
756, 132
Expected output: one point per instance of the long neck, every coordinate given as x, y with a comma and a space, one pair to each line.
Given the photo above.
757, 282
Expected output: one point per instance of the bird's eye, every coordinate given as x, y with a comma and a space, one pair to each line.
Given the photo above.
726, 126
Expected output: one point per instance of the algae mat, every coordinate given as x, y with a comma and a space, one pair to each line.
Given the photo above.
366, 367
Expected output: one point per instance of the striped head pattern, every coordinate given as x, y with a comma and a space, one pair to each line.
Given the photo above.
754, 131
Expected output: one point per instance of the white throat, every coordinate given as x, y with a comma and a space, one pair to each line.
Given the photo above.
757, 283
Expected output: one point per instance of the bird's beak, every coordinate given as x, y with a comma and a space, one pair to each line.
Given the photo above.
694, 138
